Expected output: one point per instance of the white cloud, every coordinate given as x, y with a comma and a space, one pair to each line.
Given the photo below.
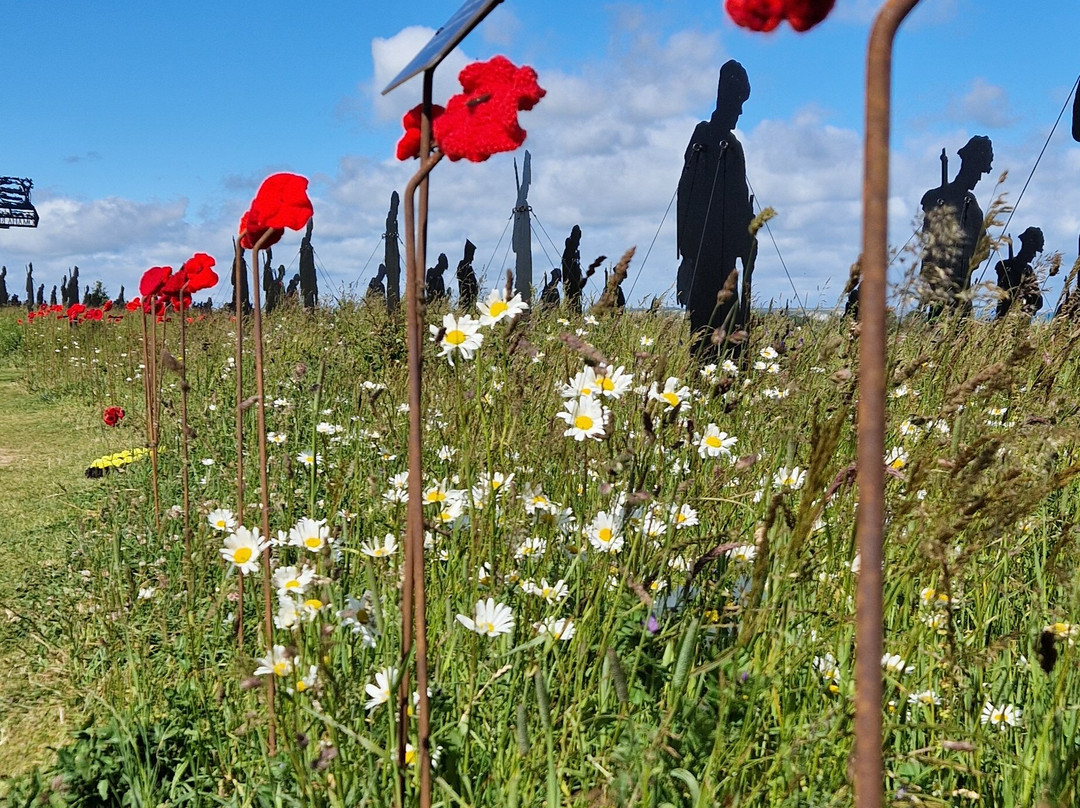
985, 105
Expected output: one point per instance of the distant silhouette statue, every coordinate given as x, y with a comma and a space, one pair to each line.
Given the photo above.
63, 290
549, 296
269, 287
375, 288
953, 226
4, 297
86, 296
294, 285
52, 296
434, 284
279, 284
120, 302
41, 295
1016, 277
73, 288
392, 256
309, 285
714, 212
241, 294
521, 240
573, 281
30, 285
467, 285
1076, 118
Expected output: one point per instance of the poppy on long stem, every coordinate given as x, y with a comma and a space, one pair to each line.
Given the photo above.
237, 281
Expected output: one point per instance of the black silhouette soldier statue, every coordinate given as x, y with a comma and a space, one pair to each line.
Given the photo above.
41, 295
30, 286
242, 294
714, 213
119, 301
573, 280
375, 288
467, 285
1016, 277
1076, 118
52, 295
549, 295
291, 290
309, 284
73, 288
392, 256
953, 227
434, 284
4, 297
521, 239
270, 301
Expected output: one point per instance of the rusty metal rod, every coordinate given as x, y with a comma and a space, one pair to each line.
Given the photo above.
238, 280
264, 483
868, 768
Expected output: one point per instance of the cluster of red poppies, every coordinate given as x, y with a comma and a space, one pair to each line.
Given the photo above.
75, 313
160, 286
482, 120
765, 15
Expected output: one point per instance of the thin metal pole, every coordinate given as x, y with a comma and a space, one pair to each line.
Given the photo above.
238, 280
264, 483
869, 771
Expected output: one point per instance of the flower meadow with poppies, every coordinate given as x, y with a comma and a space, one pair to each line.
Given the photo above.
640, 568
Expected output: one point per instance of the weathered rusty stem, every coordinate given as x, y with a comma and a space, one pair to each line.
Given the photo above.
413, 585
868, 767
264, 483
237, 280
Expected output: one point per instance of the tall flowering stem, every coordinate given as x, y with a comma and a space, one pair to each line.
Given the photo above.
239, 358
155, 397
264, 484
185, 473
869, 770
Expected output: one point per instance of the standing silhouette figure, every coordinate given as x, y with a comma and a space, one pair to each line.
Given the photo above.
714, 213
468, 286
952, 228
1016, 277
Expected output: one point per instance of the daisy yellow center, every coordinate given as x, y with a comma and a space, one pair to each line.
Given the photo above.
713, 442
241, 555
436, 496
495, 484
455, 337
606, 384
313, 603
670, 398
314, 542
583, 422
281, 668
220, 523
301, 686
497, 308
381, 552
293, 584
680, 517
489, 627
586, 391
410, 757
605, 534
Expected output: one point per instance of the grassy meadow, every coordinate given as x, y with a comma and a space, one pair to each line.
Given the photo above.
678, 584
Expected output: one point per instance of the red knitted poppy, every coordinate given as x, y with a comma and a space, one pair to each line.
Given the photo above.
409, 145
482, 120
805, 14
281, 202
757, 15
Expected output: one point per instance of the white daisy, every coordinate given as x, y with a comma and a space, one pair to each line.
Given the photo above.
459, 335
242, 548
489, 618
497, 307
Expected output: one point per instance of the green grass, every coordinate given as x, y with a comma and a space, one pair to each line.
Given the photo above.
731, 686
45, 442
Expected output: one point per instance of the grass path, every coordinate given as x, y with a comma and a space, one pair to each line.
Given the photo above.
45, 445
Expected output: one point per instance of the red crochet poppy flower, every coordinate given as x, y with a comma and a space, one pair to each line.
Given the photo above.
200, 273
757, 15
153, 279
281, 202
482, 120
112, 416
805, 14
409, 145
133, 305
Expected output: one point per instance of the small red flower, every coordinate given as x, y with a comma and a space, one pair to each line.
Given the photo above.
765, 15
482, 120
200, 273
805, 14
133, 305
757, 15
409, 145
281, 202
153, 279
112, 416
75, 310
107, 306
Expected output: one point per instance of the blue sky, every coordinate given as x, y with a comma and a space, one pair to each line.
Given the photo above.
147, 126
